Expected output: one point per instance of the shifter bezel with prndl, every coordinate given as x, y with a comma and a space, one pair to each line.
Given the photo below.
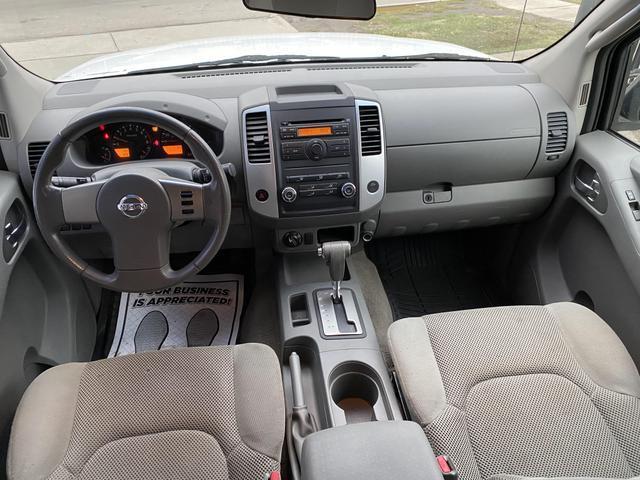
337, 308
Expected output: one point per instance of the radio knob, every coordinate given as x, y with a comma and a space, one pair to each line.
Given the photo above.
289, 194
316, 149
348, 190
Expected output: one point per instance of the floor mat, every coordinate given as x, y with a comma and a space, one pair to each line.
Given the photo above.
205, 311
432, 274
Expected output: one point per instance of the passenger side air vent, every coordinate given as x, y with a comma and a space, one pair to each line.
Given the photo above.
4, 127
558, 132
370, 133
257, 137
34, 153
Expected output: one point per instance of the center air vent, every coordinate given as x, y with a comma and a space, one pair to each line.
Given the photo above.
370, 133
34, 153
558, 132
257, 137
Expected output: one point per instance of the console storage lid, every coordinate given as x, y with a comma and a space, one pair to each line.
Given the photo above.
369, 451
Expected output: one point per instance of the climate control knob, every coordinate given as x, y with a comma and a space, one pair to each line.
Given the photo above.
289, 194
348, 190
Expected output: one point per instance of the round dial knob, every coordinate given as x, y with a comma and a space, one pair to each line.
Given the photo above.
289, 194
316, 149
348, 190
292, 239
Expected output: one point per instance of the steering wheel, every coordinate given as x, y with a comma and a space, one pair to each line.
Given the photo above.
137, 205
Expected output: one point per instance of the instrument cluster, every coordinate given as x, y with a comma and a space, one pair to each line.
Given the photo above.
130, 141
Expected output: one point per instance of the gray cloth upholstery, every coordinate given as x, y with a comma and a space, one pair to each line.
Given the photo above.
522, 391
195, 413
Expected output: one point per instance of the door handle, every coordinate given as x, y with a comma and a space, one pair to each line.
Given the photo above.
588, 190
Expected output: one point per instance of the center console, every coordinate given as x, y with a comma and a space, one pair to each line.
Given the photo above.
314, 163
345, 420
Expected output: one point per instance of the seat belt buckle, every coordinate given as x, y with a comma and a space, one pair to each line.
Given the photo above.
446, 468
275, 475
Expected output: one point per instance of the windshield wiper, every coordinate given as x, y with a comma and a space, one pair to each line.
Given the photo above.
438, 56
283, 59
238, 61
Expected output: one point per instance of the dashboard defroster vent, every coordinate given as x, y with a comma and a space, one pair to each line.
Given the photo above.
370, 134
4, 127
558, 132
257, 137
35, 151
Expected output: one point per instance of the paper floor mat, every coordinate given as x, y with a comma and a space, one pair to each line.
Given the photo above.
205, 311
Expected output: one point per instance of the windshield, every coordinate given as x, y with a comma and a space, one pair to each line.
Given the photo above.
75, 39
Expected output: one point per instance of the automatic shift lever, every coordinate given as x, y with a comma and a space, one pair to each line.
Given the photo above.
335, 254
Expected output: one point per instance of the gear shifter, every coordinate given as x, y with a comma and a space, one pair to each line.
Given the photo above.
335, 254
337, 307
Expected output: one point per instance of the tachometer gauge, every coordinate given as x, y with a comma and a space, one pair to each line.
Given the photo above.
131, 141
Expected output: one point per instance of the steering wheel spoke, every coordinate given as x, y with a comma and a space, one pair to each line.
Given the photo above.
187, 199
136, 251
79, 203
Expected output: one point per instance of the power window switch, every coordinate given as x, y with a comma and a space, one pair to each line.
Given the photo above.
630, 195
636, 215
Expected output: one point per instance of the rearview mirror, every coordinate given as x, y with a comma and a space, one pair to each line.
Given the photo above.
341, 9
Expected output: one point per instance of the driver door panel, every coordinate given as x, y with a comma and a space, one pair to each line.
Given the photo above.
46, 317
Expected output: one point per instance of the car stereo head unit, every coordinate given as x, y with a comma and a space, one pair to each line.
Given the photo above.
293, 130
316, 168
316, 140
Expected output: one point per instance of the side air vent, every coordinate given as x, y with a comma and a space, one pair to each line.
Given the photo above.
4, 127
257, 136
370, 133
584, 94
34, 153
558, 132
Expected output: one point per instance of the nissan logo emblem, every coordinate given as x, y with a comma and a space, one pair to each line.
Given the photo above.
132, 206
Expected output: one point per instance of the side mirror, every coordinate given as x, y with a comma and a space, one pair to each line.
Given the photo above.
340, 9
630, 109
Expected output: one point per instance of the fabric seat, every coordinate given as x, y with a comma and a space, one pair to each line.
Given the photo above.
195, 413
517, 392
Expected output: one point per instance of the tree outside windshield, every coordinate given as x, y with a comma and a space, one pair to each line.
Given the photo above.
51, 37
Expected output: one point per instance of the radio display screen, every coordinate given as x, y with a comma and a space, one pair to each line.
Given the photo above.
315, 131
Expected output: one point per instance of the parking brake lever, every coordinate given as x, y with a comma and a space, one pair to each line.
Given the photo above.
302, 422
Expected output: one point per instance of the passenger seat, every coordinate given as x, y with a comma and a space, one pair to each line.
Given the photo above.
521, 392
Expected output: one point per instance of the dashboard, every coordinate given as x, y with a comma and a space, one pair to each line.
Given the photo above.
130, 141
332, 152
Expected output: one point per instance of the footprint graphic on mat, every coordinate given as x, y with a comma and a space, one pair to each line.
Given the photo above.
202, 328
151, 332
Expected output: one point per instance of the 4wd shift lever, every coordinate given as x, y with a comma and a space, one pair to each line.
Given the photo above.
335, 254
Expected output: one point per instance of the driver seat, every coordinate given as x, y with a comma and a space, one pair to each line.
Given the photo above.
195, 413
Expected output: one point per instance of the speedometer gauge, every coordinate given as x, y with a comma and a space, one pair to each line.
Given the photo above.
131, 141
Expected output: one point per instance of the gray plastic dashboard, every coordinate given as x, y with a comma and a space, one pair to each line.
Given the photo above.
466, 143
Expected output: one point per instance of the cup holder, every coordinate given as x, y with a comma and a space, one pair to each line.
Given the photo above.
356, 391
